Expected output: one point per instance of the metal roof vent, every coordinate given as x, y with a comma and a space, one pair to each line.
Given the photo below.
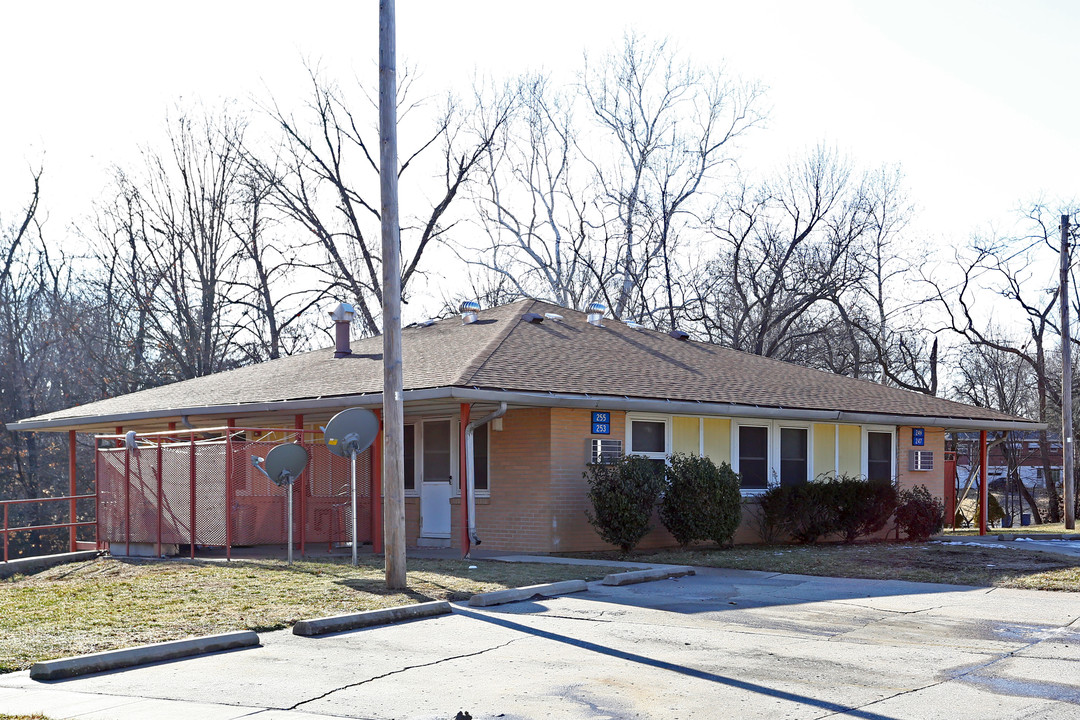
533, 318
468, 310
634, 326
595, 313
554, 317
342, 316
679, 335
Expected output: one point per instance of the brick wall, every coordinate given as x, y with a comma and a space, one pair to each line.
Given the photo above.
518, 515
934, 480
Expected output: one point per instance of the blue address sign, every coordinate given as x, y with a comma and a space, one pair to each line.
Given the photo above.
601, 423
918, 436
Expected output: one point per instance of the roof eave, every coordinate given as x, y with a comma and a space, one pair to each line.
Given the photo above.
539, 399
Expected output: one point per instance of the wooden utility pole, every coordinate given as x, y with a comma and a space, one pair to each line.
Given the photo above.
393, 456
1067, 478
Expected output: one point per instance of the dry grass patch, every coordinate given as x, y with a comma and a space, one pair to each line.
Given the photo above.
108, 603
928, 562
1045, 528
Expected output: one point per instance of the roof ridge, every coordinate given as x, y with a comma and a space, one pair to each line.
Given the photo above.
481, 358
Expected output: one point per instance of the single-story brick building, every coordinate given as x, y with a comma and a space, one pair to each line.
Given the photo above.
506, 407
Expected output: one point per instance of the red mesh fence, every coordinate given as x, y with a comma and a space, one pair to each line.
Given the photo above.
227, 486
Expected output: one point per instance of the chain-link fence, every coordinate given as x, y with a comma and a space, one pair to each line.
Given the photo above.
169, 491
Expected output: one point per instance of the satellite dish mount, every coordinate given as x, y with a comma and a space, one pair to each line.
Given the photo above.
283, 465
348, 434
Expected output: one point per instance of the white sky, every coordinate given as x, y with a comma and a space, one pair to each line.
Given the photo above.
976, 100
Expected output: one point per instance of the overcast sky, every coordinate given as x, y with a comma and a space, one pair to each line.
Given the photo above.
976, 100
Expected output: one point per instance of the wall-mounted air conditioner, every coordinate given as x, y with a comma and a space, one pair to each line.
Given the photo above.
603, 451
921, 460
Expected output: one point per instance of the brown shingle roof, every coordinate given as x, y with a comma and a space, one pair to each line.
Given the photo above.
503, 352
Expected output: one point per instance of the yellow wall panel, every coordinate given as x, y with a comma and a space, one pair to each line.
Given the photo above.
850, 449
824, 449
718, 440
685, 435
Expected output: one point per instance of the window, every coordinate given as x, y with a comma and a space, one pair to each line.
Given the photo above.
648, 437
754, 457
878, 456
794, 460
410, 458
480, 459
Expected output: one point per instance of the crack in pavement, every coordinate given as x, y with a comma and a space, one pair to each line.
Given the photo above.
401, 670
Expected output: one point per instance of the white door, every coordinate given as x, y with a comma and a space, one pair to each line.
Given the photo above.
437, 481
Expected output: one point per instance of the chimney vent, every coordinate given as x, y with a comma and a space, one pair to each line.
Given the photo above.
342, 316
595, 313
679, 335
533, 318
468, 311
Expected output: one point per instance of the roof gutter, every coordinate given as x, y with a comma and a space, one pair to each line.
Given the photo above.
541, 399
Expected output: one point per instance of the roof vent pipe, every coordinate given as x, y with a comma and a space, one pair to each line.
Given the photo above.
595, 313
468, 311
342, 316
679, 335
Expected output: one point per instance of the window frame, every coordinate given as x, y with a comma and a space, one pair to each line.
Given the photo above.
780, 426
864, 460
477, 492
772, 450
628, 447
417, 437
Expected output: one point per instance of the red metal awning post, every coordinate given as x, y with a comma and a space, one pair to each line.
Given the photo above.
376, 488
298, 423
160, 503
97, 502
984, 492
5, 532
192, 496
127, 500
230, 424
463, 465
71, 486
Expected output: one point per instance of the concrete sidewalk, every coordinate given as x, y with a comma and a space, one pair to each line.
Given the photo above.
719, 644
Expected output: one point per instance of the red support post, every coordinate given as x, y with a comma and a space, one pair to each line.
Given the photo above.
376, 489
119, 431
127, 501
463, 469
984, 492
97, 501
71, 486
298, 423
5, 532
229, 424
160, 500
192, 496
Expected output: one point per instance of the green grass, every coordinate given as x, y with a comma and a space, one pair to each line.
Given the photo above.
108, 603
928, 562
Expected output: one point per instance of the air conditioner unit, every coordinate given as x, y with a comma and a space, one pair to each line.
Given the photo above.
603, 451
921, 460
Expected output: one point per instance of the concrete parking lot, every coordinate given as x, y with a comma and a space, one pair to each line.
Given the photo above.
720, 644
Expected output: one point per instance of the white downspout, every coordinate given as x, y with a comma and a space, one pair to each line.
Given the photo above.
470, 475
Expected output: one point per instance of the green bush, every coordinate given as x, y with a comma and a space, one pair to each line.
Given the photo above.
862, 507
919, 514
845, 505
623, 495
701, 501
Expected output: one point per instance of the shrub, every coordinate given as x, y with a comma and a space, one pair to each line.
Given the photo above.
850, 506
623, 495
861, 507
919, 514
701, 501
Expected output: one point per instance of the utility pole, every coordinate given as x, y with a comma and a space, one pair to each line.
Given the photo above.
1067, 478
393, 457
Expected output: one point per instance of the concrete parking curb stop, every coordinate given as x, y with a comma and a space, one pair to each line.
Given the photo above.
141, 655
640, 576
354, 621
499, 597
25, 566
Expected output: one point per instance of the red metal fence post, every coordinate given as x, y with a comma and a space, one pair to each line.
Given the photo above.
463, 468
5, 532
192, 497
984, 492
160, 500
298, 423
229, 425
127, 500
376, 489
71, 484
97, 500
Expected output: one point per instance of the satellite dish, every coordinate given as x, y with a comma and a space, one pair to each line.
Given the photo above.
351, 431
284, 463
